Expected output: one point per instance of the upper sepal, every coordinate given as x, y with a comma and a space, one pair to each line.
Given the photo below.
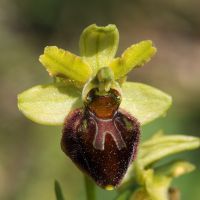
98, 45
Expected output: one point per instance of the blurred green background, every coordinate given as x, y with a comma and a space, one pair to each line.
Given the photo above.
30, 154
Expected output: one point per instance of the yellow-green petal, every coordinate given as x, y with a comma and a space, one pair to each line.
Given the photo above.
98, 45
49, 104
61, 63
135, 56
144, 102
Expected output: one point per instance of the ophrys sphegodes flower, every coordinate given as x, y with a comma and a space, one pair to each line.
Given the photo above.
101, 112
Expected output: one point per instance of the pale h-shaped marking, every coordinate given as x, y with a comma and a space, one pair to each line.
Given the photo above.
104, 127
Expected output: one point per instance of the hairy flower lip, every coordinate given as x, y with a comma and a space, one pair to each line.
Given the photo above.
106, 166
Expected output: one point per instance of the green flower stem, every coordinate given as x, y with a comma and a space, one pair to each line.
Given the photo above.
89, 188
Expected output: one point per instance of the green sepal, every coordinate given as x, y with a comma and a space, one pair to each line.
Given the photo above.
49, 104
144, 102
167, 145
61, 63
135, 56
175, 169
39, 105
98, 45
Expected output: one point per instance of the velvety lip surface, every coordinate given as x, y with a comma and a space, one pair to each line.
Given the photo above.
102, 148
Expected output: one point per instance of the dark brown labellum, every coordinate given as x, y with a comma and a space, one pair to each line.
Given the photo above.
101, 139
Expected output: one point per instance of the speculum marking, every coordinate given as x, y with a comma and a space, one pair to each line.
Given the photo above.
104, 127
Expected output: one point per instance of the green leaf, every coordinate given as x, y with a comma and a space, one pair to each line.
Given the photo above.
144, 102
98, 45
135, 56
61, 63
58, 191
167, 145
49, 104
